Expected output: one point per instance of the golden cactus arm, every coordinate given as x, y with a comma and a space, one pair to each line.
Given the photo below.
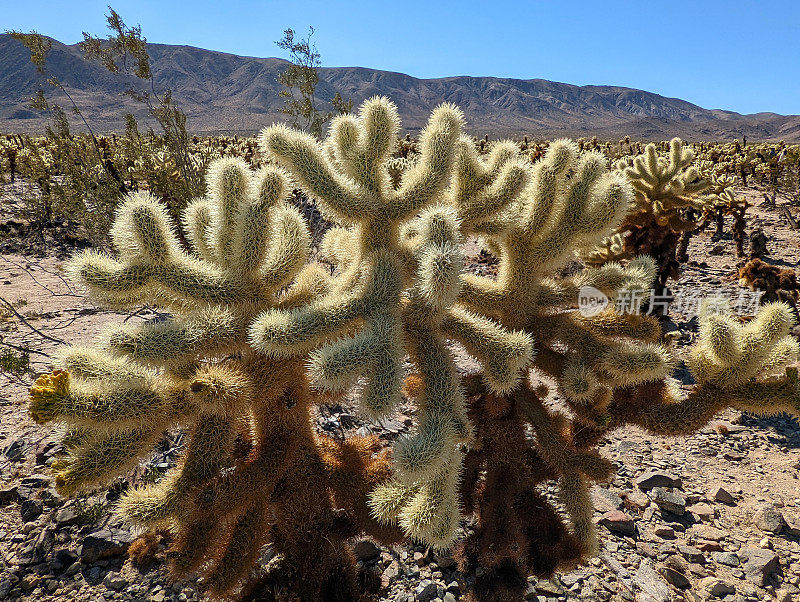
373, 352
628, 363
189, 281
289, 252
573, 466
305, 159
594, 205
503, 354
176, 341
196, 221
431, 513
86, 362
482, 294
241, 550
481, 190
442, 410
547, 177
282, 333
312, 282
102, 457
431, 173
646, 329
129, 404
210, 444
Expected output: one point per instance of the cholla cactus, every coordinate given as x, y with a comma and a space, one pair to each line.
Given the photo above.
667, 197
608, 366
397, 252
253, 470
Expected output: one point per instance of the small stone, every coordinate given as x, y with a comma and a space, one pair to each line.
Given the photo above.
675, 577
652, 584
691, 554
425, 591
115, 581
8, 495
606, 500
366, 550
719, 494
708, 532
664, 532
717, 587
66, 517
30, 510
668, 500
769, 519
703, 511
105, 543
787, 593
657, 478
759, 564
726, 558
619, 522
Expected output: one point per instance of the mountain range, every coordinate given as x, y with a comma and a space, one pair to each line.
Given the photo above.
226, 93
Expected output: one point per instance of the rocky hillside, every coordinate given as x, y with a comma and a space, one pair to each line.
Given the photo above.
227, 93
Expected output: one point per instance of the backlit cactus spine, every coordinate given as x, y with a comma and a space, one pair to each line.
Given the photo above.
253, 470
397, 253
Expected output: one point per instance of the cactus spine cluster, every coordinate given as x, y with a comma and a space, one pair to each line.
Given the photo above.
259, 334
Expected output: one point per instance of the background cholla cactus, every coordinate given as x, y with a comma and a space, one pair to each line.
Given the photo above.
667, 197
396, 250
777, 283
253, 470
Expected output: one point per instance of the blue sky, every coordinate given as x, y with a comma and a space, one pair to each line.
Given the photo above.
735, 54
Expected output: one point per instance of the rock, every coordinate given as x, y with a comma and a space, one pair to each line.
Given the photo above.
105, 543
691, 554
651, 583
66, 517
366, 550
8, 495
769, 519
675, 577
606, 500
726, 558
115, 581
708, 532
425, 591
15, 450
619, 522
717, 587
759, 564
703, 511
668, 500
719, 494
664, 532
657, 478
788, 593
30, 510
